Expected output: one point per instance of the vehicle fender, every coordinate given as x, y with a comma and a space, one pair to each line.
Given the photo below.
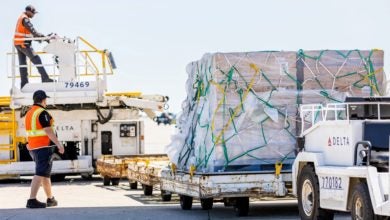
301, 160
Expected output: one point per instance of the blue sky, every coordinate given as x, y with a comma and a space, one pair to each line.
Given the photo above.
154, 40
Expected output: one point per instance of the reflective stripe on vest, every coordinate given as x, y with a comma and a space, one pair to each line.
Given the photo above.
34, 132
23, 35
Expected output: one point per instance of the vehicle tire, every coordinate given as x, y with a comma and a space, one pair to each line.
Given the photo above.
309, 196
207, 204
133, 185
148, 190
361, 203
166, 196
241, 206
115, 181
227, 202
86, 176
106, 181
186, 202
57, 177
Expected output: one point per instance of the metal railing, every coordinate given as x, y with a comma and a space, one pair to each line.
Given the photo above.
8, 129
314, 113
90, 61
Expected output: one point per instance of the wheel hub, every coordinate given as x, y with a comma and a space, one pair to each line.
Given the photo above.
359, 209
307, 197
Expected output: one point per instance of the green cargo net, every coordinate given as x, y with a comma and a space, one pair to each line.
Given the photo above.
223, 96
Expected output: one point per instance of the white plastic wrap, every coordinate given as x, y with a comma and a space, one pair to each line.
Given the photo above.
241, 110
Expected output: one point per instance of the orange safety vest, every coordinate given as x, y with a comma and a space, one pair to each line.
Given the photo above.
37, 137
21, 31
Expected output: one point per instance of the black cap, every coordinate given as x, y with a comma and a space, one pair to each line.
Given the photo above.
39, 95
31, 8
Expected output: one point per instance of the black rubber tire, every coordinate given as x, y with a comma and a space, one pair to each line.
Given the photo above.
57, 177
241, 206
308, 174
228, 202
166, 196
106, 181
186, 202
115, 181
87, 176
148, 190
133, 185
361, 195
207, 204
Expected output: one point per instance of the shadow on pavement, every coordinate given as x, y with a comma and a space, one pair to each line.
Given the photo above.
170, 212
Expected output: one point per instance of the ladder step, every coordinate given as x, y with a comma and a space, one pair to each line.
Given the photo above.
7, 161
7, 149
8, 128
5, 101
6, 125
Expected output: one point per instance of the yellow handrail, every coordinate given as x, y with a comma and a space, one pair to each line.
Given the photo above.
89, 44
135, 94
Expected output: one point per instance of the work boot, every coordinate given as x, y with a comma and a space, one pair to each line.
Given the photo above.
22, 84
51, 202
35, 204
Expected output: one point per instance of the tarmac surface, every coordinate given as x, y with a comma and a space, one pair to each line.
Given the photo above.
89, 199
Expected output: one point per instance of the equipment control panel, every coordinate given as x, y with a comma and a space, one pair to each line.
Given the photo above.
128, 130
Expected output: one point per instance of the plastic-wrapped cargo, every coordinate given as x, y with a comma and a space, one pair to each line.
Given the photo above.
356, 72
241, 110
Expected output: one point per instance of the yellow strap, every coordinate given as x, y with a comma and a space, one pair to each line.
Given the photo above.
278, 168
34, 117
147, 162
257, 72
173, 168
192, 170
221, 90
366, 77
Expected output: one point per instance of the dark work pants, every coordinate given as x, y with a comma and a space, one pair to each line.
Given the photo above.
29, 52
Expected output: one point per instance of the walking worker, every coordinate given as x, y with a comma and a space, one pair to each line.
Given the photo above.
39, 127
24, 29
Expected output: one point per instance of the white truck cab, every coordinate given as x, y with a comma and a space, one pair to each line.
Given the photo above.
343, 163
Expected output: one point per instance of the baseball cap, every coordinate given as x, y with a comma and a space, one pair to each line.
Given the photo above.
39, 95
31, 8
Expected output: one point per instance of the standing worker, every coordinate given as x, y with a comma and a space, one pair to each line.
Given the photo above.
24, 29
40, 133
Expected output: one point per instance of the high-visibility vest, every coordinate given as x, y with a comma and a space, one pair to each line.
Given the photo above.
36, 135
21, 31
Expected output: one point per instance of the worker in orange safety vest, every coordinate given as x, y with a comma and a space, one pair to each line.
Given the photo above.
40, 134
24, 29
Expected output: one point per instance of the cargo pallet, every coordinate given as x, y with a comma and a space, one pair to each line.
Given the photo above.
114, 168
148, 174
233, 188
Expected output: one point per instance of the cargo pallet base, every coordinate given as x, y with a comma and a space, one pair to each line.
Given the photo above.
148, 173
144, 169
234, 188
